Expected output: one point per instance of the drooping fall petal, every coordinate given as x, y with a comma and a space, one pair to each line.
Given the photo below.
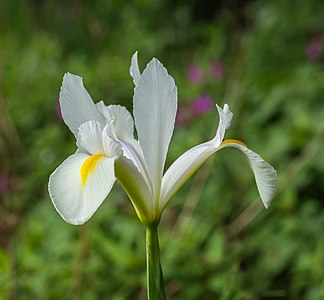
265, 175
80, 184
179, 172
190, 161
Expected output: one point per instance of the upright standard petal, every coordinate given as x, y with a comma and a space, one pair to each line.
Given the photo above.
155, 106
134, 69
76, 104
80, 184
265, 175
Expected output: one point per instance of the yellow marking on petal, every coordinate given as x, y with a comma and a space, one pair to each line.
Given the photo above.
88, 167
233, 142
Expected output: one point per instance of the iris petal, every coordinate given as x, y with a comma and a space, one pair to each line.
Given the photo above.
155, 105
179, 172
122, 121
89, 138
76, 104
76, 201
265, 175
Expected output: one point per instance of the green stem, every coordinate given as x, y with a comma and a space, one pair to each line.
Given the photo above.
155, 281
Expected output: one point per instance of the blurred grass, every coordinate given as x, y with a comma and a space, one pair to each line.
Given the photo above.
217, 242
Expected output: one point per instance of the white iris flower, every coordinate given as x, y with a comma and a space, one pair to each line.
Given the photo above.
107, 149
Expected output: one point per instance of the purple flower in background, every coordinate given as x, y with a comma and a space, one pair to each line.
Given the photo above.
180, 118
195, 74
3, 184
183, 116
58, 111
202, 105
217, 69
314, 49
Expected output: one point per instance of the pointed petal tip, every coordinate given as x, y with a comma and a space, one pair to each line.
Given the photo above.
134, 69
266, 205
155, 61
68, 75
134, 59
267, 199
71, 81
266, 181
225, 107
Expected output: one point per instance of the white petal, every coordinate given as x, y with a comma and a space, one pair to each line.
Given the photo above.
134, 69
89, 138
122, 120
76, 104
121, 128
74, 201
265, 175
190, 161
112, 148
155, 105
180, 171
225, 119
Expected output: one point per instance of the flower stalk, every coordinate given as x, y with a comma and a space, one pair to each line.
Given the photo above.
155, 280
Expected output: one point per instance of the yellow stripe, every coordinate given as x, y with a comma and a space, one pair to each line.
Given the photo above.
233, 142
88, 167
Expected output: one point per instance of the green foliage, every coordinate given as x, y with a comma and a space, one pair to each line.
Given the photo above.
216, 240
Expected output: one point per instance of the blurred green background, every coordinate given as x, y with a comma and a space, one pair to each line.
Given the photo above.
264, 58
